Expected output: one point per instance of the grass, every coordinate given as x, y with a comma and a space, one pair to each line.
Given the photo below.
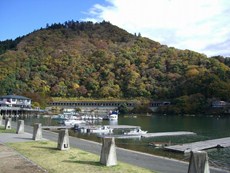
46, 154
3, 130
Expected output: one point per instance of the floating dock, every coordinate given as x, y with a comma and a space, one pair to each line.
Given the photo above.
202, 145
160, 134
120, 136
56, 127
150, 135
123, 127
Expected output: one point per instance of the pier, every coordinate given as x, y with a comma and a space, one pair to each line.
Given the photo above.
202, 145
160, 134
56, 127
150, 135
120, 136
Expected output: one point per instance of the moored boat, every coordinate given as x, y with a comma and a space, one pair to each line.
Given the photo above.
136, 131
160, 144
101, 129
113, 115
72, 122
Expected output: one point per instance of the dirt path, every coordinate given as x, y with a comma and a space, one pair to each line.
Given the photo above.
12, 161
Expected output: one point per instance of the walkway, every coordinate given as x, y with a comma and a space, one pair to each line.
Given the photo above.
201, 145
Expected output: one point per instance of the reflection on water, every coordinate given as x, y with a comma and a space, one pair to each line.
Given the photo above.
205, 128
113, 122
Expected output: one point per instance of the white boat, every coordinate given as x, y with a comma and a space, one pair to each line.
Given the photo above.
64, 116
72, 122
101, 129
136, 131
113, 116
59, 117
91, 117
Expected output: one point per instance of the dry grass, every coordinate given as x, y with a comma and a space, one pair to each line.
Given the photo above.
53, 160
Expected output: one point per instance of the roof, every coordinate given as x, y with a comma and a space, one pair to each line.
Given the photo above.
14, 97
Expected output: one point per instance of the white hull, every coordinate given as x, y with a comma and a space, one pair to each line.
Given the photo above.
73, 122
136, 132
113, 117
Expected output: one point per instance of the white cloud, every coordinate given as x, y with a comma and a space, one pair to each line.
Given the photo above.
184, 24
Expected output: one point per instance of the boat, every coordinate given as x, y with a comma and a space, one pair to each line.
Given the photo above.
65, 116
136, 131
160, 144
113, 115
101, 129
91, 117
72, 122
59, 117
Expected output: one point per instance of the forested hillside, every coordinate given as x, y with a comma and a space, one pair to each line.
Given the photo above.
82, 59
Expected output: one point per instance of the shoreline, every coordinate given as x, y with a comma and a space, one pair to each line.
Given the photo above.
144, 160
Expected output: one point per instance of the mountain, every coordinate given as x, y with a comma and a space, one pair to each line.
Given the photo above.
83, 59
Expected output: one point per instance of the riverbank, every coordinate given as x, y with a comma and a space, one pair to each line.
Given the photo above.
147, 161
22, 155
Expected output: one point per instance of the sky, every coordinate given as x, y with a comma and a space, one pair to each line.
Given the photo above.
199, 25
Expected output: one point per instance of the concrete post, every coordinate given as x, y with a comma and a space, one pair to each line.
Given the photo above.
8, 123
1, 119
198, 162
37, 133
108, 152
63, 140
20, 126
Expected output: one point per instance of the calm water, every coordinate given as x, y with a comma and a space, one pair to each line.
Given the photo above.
205, 128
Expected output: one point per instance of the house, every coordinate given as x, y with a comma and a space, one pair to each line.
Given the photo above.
15, 101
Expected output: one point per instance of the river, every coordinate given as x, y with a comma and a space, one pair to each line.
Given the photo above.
206, 127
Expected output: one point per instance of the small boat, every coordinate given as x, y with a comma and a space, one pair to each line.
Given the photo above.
64, 116
72, 122
91, 117
59, 117
113, 115
160, 144
101, 129
136, 131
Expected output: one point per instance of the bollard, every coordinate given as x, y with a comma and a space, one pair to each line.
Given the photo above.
20, 127
108, 152
1, 120
198, 162
8, 123
37, 133
63, 140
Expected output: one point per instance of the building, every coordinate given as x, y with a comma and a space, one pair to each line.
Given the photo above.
104, 105
15, 101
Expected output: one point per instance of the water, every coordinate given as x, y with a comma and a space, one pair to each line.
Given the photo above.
206, 128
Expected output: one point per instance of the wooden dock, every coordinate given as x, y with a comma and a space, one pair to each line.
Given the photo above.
160, 134
202, 145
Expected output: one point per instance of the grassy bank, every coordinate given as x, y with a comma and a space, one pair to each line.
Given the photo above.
46, 154
3, 130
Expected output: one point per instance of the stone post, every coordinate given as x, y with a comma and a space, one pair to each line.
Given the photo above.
198, 162
20, 126
63, 140
37, 133
8, 123
1, 119
108, 152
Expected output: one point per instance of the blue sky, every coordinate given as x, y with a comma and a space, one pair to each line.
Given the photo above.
199, 25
